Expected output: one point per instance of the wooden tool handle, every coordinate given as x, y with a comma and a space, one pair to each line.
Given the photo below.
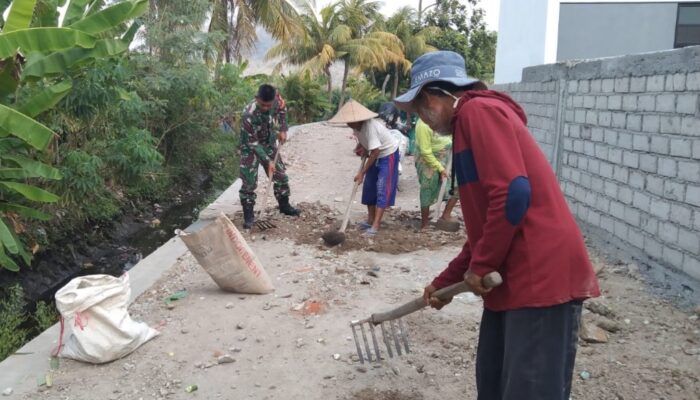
346, 218
490, 280
443, 187
272, 181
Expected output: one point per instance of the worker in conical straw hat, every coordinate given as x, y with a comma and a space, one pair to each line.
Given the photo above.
518, 223
380, 173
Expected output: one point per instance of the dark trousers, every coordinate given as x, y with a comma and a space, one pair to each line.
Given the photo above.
527, 354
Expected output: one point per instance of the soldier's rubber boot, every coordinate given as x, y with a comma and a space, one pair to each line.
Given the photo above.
248, 216
286, 208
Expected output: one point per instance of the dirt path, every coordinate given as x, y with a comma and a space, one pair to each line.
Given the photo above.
296, 343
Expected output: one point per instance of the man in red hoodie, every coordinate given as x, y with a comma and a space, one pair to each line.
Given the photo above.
518, 223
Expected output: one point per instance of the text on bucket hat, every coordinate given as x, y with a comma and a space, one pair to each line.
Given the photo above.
436, 66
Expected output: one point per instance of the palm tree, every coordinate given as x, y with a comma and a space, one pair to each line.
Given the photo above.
369, 46
403, 24
237, 19
347, 31
315, 49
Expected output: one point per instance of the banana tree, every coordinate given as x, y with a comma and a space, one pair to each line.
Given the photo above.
38, 53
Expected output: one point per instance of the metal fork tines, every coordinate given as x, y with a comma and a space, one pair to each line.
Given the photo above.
394, 337
265, 225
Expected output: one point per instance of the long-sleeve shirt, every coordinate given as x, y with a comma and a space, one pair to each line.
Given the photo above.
258, 129
517, 219
429, 143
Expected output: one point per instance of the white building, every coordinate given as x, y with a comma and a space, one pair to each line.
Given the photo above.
533, 32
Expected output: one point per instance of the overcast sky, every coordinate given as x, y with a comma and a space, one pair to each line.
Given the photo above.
489, 6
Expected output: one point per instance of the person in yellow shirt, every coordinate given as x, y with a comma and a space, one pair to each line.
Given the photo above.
431, 159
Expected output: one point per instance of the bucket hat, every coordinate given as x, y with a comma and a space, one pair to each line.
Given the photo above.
436, 66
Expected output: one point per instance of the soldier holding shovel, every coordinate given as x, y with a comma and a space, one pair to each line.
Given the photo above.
259, 124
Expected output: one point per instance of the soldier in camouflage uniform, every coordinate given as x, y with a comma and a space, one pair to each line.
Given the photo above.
261, 120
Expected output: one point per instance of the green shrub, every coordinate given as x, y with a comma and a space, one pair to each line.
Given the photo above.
12, 318
83, 190
219, 157
366, 94
45, 315
82, 176
134, 156
305, 97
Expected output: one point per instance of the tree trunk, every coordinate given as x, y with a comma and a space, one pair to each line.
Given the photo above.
395, 92
230, 35
345, 81
420, 11
152, 13
327, 70
386, 81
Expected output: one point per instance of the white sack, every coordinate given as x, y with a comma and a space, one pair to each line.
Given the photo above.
95, 315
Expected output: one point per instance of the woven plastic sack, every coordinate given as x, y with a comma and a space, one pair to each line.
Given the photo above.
223, 252
94, 310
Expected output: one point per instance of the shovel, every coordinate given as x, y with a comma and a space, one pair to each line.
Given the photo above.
396, 334
441, 224
264, 224
334, 238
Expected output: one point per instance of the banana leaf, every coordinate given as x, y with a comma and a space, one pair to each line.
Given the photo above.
30, 192
43, 40
45, 100
13, 173
35, 169
12, 144
25, 128
128, 37
140, 7
20, 16
23, 253
7, 262
75, 11
108, 18
60, 62
6, 238
24, 211
96, 6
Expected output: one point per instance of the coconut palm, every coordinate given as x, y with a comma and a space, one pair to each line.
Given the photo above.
315, 48
345, 31
369, 46
237, 19
403, 24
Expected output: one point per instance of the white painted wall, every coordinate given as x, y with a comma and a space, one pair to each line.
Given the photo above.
603, 30
527, 36
533, 32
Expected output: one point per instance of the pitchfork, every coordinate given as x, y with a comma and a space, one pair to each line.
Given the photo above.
396, 333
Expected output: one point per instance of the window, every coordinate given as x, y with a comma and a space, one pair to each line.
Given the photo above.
687, 25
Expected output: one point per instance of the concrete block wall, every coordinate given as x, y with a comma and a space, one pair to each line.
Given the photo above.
539, 99
625, 143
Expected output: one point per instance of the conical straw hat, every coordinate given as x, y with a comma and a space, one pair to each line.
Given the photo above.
352, 111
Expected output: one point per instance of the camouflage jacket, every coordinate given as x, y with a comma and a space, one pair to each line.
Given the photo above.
259, 129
